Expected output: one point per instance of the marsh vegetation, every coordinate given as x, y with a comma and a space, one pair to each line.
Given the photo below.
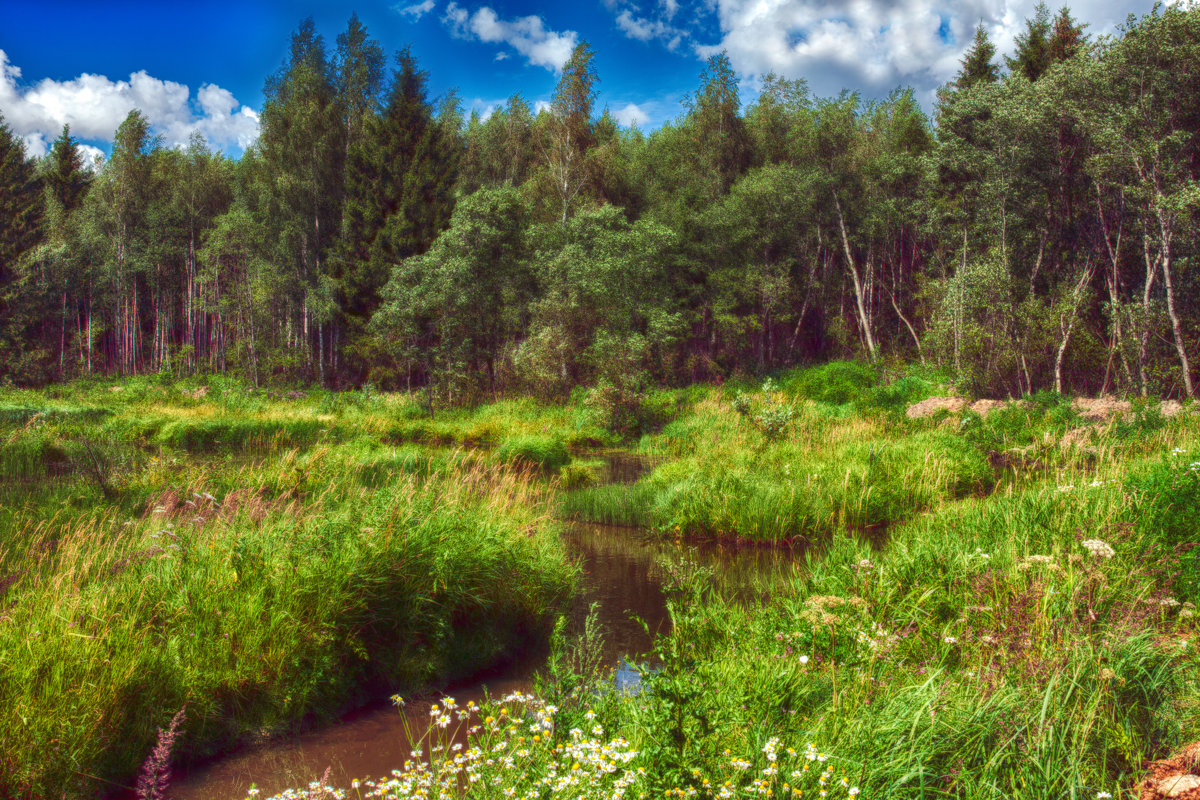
978, 606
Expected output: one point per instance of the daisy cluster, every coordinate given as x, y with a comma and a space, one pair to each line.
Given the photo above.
514, 749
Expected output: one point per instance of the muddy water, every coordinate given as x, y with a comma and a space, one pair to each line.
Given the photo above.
621, 575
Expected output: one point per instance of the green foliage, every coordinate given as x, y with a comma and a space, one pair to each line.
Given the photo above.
544, 452
837, 382
1171, 492
977, 64
195, 582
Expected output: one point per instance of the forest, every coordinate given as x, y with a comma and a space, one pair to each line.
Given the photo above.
1035, 233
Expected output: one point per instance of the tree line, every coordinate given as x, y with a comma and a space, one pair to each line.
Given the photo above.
1038, 231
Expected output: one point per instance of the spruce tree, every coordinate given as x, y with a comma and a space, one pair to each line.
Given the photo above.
65, 176
977, 65
20, 203
1068, 37
398, 194
1032, 56
20, 223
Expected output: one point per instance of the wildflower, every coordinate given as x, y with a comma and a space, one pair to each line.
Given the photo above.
949, 639
1098, 549
803, 660
1100, 795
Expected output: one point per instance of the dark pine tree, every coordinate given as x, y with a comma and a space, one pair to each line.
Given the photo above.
977, 65
20, 228
1032, 56
20, 203
68, 181
1067, 38
398, 196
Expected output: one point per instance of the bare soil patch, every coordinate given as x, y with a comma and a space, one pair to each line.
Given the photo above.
1177, 777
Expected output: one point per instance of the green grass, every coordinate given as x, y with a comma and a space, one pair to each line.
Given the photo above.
265, 572
982, 651
548, 453
973, 646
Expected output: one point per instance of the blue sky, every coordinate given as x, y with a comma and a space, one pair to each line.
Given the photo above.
201, 65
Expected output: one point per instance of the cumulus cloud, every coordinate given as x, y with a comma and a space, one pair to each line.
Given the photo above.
416, 10
631, 115
527, 35
644, 30
651, 26
876, 44
94, 105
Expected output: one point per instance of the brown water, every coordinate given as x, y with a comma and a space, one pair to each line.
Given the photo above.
621, 575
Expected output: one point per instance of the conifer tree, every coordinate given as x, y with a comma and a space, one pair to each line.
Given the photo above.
20, 219
1068, 37
398, 194
68, 181
1032, 56
20, 202
977, 64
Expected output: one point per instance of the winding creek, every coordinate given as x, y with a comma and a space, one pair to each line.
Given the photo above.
621, 576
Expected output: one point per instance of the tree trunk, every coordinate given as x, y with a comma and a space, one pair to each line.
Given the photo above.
859, 300
1144, 339
1167, 233
1067, 325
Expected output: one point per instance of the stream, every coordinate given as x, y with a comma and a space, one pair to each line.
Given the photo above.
621, 576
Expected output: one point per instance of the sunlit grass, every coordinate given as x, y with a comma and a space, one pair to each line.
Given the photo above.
259, 582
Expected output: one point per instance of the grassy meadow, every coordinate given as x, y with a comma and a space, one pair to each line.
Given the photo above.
263, 562
995, 605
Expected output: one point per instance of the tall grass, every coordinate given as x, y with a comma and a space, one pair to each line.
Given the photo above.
261, 595
995, 649
849, 459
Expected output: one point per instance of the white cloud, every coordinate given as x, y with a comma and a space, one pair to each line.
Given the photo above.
631, 115
94, 105
500, 56
416, 10
644, 29
635, 25
486, 108
873, 45
527, 35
